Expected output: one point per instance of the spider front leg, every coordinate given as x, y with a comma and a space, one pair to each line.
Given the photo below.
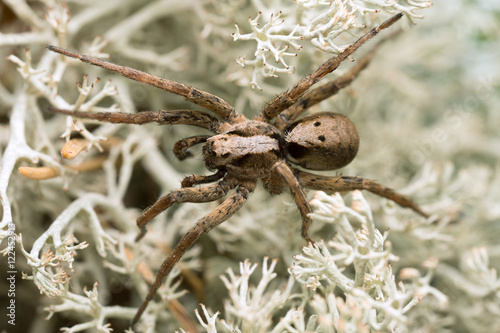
318, 94
186, 194
345, 183
174, 117
209, 101
288, 98
225, 210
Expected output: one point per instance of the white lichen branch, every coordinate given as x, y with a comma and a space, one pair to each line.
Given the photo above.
90, 306
382, 302
319, 23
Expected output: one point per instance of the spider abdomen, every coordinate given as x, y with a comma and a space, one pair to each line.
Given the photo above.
247, 150
321, 141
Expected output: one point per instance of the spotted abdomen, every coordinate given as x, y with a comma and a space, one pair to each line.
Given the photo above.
322, 141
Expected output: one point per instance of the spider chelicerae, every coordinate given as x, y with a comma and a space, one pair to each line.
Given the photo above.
244, 151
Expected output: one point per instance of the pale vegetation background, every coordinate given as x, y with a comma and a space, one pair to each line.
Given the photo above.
427, 110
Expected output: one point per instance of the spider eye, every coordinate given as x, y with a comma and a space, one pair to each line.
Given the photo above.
322, 141
225, 155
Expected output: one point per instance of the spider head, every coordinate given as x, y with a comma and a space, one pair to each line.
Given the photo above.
248, 149
322, 141
218, 151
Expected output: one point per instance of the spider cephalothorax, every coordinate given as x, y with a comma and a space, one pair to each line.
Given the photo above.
244, 151
247, 150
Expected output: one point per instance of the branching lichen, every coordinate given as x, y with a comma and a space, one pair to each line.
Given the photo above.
319, 23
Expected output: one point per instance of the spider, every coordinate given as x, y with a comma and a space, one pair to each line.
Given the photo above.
243, 151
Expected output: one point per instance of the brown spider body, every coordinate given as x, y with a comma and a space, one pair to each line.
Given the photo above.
321, 141
245, 151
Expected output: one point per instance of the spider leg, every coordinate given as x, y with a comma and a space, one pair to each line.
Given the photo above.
186, 194
345, 183
316, 95
192, 180
204, 225
288, 98
174, 117
298, 195
199, 97
181, 147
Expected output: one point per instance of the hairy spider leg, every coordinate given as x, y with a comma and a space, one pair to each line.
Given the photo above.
288, 98
298, 195
204, 225
199, 97
174, 117
181, 147
318, 94
185, 194
346, 183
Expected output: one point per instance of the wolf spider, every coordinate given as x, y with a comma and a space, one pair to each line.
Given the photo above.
244, 151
